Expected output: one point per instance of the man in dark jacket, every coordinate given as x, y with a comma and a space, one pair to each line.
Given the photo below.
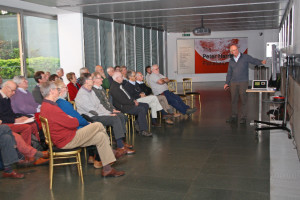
126, 104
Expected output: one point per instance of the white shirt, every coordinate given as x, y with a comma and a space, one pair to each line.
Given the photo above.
237, 58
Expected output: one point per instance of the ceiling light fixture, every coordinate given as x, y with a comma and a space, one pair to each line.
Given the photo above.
201, 31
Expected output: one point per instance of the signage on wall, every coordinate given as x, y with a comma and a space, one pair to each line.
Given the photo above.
210, 55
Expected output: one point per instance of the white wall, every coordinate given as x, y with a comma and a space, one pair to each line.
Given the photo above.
256, 48
71, 47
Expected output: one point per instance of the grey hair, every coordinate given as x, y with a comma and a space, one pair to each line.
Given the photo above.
130, 73
82, 70
18, 79
59, 69
109, 69
116, 74
153, 66
46, 88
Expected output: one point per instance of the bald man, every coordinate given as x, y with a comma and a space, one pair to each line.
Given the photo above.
105, 82
237, 82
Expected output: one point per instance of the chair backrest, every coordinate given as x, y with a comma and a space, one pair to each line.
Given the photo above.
187, 85
172, 85
46, 130
68, 96
107, 93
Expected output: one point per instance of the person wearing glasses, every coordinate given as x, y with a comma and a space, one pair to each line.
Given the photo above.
237, 82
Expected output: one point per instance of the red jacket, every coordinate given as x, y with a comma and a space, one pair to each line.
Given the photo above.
62, 126
72, 90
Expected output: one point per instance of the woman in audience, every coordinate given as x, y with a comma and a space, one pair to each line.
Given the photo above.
53, 77
73, 86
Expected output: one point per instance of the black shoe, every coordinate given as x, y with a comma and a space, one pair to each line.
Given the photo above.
243, 121
231, 120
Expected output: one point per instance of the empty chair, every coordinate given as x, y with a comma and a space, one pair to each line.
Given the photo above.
188, 90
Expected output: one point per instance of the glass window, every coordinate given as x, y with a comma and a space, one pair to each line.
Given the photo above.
9, 45
41, 46
119, 44
129, 35
161, 51
139, 50
91, 43
106, 45
154, 47
147, 47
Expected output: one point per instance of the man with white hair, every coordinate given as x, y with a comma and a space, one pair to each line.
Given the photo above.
64, 133
126, 104
22, 101
158, 83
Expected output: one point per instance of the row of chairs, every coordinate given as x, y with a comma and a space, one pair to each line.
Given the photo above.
188, 92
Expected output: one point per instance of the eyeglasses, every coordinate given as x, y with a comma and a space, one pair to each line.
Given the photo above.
233, 50
12, 89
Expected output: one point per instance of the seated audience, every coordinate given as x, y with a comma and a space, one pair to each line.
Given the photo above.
0, 82
8, 116
73, 86
48, 74
162, 99
105, 81
64, 133
134, 90
110, 71
67, 107
158, 84
87, 103
40, 77
22, 101
126, 104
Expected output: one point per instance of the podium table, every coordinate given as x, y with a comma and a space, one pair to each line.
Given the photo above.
260, 91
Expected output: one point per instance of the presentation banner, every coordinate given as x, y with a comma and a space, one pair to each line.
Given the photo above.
212, 55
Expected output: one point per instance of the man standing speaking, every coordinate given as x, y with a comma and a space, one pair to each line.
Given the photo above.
237, 81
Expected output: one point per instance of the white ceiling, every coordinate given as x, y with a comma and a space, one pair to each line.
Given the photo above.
181, 15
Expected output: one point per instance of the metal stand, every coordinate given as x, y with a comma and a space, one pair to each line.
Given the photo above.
290, 61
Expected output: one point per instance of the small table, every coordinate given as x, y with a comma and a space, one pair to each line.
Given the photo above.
260, 91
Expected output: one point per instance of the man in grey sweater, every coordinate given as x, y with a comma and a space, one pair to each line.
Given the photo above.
237, 81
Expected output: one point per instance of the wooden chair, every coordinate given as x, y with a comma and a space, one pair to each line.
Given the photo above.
188, 90
130, 132
56, 154
172, 86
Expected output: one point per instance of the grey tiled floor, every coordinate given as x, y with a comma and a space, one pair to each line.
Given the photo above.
200, 157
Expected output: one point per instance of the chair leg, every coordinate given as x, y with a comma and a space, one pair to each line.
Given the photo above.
51, 172
79, 166
85, 154
149, 121
110, 135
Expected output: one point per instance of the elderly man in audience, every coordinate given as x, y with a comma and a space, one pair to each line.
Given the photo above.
64, 133
40, 77
126, 104
22, 101
110, 71
73, 86
60, 73
8, 116
161, 98
105, 81
134, 90
159, 86
0, 82
87, 103
67, 107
